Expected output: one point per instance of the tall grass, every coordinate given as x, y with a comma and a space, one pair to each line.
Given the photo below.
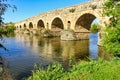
94, 70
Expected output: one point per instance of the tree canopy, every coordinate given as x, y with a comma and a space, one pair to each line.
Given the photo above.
112, 38
3, 7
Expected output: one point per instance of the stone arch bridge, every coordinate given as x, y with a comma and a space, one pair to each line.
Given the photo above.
78, 18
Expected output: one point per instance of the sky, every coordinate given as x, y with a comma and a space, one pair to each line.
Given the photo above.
29, 8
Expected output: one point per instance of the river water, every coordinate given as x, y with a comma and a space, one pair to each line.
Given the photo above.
25, 50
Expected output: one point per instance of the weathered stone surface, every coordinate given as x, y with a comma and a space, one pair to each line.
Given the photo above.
82, 35
26, 32
68, 35
34, 32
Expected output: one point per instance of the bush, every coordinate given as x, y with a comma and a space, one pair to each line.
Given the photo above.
112, 41
53, 72
94, 70
72, 10
7, 30
112, 38
95, 28
93, 6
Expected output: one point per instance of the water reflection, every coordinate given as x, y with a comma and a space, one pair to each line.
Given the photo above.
25, 50
54, 48
93, 47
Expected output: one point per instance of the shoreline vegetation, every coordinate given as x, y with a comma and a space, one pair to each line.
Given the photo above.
93, 70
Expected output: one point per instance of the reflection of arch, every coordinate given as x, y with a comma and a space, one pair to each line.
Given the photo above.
84, 22
57, 24
30, 25
40, 24
24, 25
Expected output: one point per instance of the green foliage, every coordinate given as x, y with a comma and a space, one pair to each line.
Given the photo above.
112, 41
7, 30
95, 28
45, 31
93, 6
3, 7
72, 10
112, 36
53, 72
94, 70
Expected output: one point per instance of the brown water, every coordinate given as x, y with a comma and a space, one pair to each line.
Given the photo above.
25, 51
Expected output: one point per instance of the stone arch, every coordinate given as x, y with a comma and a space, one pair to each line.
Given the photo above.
84, 22
57, 24
24, 25
40, 24
30, 25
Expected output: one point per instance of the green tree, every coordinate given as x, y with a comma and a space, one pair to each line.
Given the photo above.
3, 7
112, 37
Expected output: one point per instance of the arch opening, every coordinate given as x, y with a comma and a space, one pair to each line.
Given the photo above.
57, 24
20, 26
40, 24
30, 25
24, 25
83, 24
82, 27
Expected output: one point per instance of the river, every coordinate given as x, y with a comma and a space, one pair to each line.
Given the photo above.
25, 50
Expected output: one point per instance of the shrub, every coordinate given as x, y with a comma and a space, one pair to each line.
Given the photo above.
53, 72
72, 10
95, 28
94, 70
93, 6
111, 40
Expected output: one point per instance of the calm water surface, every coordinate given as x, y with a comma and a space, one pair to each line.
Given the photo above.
25, 50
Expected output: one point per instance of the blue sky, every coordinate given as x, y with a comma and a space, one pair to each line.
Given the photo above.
29, 8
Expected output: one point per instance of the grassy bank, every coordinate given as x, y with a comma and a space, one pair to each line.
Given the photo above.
94, 70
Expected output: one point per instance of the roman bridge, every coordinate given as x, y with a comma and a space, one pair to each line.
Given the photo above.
78, 18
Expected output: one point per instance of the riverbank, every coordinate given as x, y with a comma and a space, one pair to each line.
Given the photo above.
4, 72
6, 75
93, 70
